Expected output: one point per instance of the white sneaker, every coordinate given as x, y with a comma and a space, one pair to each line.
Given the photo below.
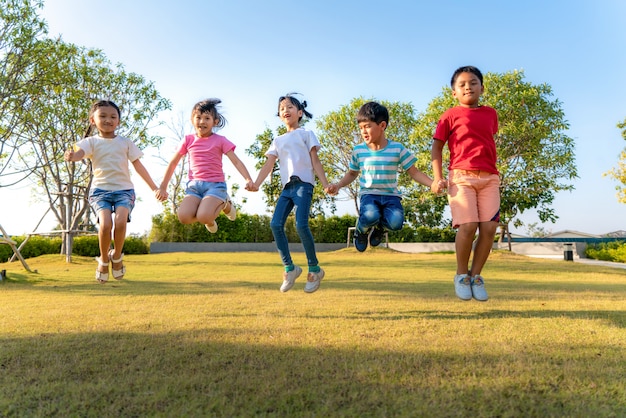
313, 281
289, 278
463, 286
232, 212
478, 288
212, 229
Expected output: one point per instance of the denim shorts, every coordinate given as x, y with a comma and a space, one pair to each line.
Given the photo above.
110, 199
202, 189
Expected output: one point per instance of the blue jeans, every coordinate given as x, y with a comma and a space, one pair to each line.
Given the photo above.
376, 209
100, 199
296, 194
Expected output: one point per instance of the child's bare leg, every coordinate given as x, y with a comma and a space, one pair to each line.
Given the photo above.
484, 244
463, 246
119, 234
105, 224
209, 209
187, 211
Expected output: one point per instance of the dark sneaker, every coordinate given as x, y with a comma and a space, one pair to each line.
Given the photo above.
376, 237
360, 240
478, 288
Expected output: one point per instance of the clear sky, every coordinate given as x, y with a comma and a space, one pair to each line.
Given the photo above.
249, 52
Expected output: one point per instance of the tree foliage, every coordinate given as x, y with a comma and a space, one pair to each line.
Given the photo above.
619, 173
339, 133
535, 156
20, 26
49, 113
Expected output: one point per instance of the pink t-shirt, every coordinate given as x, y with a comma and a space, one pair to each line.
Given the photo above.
205, 156
470, 136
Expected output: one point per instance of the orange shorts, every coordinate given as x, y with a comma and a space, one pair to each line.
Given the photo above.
474, 196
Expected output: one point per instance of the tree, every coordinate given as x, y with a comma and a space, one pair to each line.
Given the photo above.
19, 29
339, 133
273, 187
535, 156
619, 173
54, 114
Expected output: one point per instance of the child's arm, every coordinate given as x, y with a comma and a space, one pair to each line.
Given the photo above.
265, 170
71, 155
436, 154
318, 168
169, 172
419, 177
348, 178
242, 169
143, 173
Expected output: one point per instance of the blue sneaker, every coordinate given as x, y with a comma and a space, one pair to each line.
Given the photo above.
376, 237
478, 288
360, 240
463, 286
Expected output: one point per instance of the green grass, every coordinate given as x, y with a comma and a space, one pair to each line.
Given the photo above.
209, 334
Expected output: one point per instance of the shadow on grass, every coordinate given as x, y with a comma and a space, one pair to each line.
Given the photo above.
196, 374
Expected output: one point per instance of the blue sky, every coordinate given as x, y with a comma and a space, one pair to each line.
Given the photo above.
249, 52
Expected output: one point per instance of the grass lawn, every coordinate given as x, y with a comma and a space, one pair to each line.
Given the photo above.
210, 334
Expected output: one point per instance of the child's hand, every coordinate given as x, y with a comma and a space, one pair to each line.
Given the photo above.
332, 189
439, 186
252, 187
69, 155
161, 195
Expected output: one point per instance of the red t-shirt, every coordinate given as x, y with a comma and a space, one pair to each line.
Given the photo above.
469, 133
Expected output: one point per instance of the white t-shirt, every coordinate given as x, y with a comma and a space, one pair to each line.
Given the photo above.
109, 158
293, 152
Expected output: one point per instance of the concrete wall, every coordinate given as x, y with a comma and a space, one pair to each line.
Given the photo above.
546, 249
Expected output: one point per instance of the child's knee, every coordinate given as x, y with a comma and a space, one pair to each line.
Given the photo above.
394, 220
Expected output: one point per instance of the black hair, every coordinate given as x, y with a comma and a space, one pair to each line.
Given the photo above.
466, 69
294, 101
210, 106
373, 112
104, 103
94, 107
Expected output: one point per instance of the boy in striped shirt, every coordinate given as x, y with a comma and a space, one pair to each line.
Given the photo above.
378, 161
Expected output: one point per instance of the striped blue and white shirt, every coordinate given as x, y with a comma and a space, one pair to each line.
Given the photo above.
379, 169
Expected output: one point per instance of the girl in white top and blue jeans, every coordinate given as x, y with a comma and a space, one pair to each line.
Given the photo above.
299, 163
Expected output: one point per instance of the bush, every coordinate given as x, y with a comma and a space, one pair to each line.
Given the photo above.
607, 251
35, 246
89, 246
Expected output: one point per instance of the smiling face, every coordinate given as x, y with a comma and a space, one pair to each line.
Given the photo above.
467, 89
106, 120
289, 114
203, 123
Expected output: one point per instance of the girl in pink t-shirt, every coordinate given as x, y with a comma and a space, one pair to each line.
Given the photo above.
206, 194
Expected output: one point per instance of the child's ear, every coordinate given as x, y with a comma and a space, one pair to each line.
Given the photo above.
383, 125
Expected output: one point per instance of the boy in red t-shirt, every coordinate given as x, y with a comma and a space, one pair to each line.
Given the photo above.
473, 182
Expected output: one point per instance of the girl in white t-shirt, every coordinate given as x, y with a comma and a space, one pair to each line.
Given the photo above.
206, 194
111, 188
296, 152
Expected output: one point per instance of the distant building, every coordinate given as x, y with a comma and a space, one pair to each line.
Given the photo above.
571, 234
616, 234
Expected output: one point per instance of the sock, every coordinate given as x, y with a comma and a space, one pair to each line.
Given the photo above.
289, 268
314, 269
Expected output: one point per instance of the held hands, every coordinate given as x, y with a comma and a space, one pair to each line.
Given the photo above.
251, 186
161, 194
332, 189
438, 186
